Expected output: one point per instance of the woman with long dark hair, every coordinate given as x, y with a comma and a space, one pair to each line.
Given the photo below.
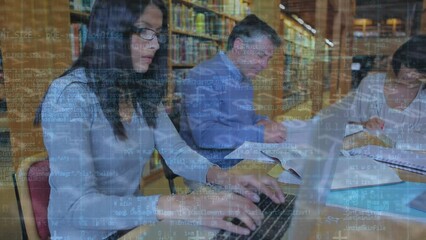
102, 120
395, 100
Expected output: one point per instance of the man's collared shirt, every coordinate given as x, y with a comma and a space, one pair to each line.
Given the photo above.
218, 114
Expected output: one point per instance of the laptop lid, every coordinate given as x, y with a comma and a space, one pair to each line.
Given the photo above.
327, 140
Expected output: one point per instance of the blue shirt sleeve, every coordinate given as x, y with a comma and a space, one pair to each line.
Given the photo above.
178, 155
220, 112
258, 117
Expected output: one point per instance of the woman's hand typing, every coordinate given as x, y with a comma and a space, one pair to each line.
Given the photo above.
247, 185
211, 209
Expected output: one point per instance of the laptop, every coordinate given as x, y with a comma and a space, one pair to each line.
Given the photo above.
295, 219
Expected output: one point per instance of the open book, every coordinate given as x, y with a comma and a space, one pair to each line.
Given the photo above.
350, 171
299, 133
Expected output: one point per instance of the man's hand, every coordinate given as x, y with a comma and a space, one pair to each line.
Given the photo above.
274, 132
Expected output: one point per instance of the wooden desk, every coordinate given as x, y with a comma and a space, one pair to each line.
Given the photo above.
339, 222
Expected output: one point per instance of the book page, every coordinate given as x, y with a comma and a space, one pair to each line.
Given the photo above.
299, 133
353, 171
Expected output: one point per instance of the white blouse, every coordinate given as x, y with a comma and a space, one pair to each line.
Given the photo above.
370, 102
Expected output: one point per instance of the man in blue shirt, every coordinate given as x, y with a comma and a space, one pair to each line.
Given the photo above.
218, 114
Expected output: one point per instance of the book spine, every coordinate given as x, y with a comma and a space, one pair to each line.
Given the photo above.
83, 30
72, 42
76, 33
78, 5
200, 23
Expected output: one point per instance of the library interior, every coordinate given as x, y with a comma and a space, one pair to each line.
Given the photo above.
328, 48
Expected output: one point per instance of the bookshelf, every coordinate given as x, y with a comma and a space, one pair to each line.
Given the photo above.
79, 18
34, 41
298, 50
198, 30
4, 129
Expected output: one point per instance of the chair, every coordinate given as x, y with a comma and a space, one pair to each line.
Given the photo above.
32, 193
170, 175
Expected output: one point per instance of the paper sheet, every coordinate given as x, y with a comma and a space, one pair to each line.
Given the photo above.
253, 151
298, 134
352, 129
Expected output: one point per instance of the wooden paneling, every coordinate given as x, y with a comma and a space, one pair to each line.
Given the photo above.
342, 51
305, 9
346, 50
36, 49
423, 18
268, 85
333, 20
318, 78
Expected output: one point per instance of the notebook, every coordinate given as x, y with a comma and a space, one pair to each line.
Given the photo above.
311, 195
407, 160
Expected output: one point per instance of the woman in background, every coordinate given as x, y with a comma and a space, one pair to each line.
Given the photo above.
102, 120
397, 99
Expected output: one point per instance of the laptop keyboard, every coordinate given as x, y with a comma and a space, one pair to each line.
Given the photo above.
274, 225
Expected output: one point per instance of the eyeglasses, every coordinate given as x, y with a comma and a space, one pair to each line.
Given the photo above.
149, 34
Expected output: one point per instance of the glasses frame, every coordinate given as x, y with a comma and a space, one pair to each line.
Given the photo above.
149, 34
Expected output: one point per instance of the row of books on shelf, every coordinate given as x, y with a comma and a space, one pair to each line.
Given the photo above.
81, 5
294, 84
78, 35
179, 75
190, 20
191, 50
200, 21
231, 7
294, 99
155, 162
295, 76
297, 37
297, 50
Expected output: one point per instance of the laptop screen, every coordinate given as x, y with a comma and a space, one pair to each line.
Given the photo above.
327, 138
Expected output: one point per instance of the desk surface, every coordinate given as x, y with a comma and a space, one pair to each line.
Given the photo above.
340, 222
